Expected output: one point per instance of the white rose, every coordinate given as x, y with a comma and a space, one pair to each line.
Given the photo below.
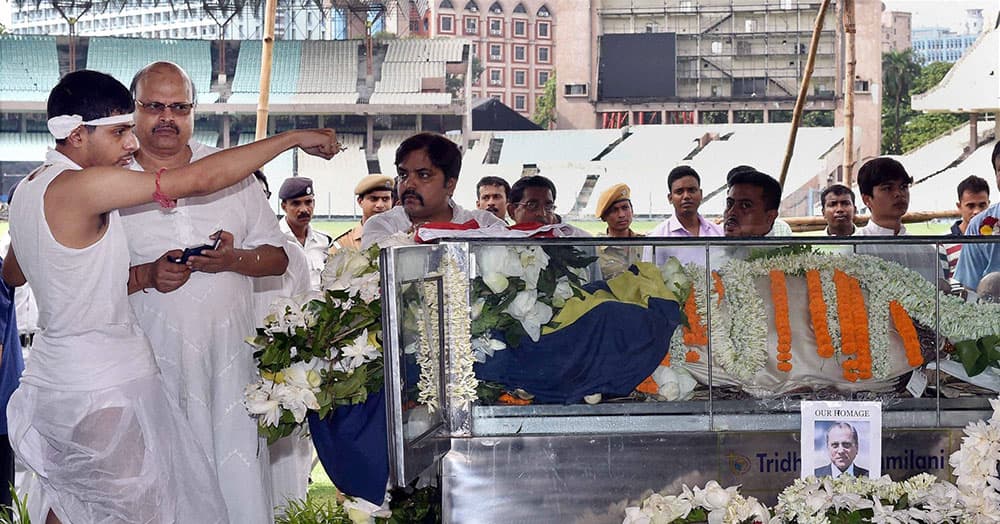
562, 292
531, 313
675, 383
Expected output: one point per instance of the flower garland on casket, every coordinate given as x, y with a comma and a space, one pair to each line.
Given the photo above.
895, 296
974, 498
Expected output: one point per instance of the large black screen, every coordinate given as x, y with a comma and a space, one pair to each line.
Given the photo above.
640, 65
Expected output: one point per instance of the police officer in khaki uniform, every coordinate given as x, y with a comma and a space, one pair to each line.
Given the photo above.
614, 207
297, 202
374, 196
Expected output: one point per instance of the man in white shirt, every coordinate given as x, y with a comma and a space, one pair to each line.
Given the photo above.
885, 189
197, 315
297, 202
684, 194
427, 169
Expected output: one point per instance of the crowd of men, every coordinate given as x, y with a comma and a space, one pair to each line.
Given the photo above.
197, 314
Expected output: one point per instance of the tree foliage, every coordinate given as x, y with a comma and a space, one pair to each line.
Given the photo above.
899, 71
545, 106
903, 128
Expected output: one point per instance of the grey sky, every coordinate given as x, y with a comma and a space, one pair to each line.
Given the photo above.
947, 13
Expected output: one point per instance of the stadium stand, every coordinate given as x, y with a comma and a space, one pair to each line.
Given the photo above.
25, 147
534, 147
409, 61
29, 67
334, 179
387, 151
122, 57
308, 71
939, 191
277, 170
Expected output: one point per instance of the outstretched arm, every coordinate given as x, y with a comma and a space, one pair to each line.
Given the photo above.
102, 189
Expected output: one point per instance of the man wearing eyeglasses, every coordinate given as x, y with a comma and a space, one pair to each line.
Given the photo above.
533, 201
198, 314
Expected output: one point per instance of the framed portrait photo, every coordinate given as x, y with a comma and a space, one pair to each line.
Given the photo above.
841, 438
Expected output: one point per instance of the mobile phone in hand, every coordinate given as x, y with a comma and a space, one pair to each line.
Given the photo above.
197, 250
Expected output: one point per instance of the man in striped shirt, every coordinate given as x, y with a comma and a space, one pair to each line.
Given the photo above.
973, 198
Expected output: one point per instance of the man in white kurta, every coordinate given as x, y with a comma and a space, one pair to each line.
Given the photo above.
198, 315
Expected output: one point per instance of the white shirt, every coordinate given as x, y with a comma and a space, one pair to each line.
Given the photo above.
395, 220
25, 307
874, 230
198, 331
316, 248
835, 471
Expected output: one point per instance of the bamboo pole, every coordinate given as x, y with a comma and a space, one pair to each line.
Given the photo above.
814, 223
850, 30
803, 91
266, 58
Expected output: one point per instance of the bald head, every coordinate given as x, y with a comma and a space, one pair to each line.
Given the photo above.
164, 117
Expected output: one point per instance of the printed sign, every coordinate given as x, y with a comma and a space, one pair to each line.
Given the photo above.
841, 438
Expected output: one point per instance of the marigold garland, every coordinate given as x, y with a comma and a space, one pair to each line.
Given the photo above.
853, 327
817, 312
692, 356
907, 332
862, 338
695, 333
782, 325
720, 290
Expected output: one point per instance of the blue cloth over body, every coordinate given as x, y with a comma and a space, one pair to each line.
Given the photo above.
610, 350
12, 361
351, 443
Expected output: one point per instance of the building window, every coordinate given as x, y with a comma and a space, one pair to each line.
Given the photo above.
750, 26
496, 96
543, 54
446, 4
543, 12
519, 8
472, 6
543, 30
543, 78
496, 53
862, 86
471, 25
520, 53
445, 22
496, 26
520, 103
520, 77
571, 90
520, 28
496, 8
496, 77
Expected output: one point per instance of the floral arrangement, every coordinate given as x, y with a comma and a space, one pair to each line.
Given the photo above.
519, 289
975, 465
975, 498
319, 350
849, 326
714, 504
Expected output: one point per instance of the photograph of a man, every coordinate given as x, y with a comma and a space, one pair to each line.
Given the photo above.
840, 449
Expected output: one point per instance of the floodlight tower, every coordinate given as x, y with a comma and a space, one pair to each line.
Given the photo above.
368, 13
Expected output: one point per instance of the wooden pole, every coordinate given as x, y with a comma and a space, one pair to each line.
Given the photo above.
803, 91
849, 33
266, 58
814, 223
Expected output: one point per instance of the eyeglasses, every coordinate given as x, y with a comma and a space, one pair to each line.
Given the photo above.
177, 108
534, 206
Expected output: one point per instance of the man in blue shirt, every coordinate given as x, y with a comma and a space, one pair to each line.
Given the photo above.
979, 260
11, 366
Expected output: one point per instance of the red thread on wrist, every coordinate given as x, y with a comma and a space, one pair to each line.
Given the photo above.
158, 196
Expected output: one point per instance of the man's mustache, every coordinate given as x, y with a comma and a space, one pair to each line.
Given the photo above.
304, 215
166, 125
411, 193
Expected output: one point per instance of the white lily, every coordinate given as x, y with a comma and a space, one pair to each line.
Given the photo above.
562, 292
359, 351
533, 259
497, 264
532, 314
259, 402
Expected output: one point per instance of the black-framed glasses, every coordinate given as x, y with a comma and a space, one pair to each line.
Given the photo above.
177, 108
534, 206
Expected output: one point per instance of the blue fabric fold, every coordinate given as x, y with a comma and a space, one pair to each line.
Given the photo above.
612, 349
351, 443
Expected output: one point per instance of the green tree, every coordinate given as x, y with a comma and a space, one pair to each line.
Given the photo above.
817, 119
899, 71
930, 75
545, 106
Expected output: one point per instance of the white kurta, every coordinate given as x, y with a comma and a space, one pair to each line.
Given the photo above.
92, 417
198, 331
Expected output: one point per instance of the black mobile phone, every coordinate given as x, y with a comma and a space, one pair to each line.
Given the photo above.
197, 250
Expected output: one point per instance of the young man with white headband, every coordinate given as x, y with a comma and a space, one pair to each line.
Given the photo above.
92, 418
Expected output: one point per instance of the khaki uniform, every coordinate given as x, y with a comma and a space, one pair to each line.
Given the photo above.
348, 239
615, 260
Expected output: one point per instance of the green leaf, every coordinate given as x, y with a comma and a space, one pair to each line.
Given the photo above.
973, 358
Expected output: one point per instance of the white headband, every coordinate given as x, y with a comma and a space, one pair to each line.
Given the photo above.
61, 126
